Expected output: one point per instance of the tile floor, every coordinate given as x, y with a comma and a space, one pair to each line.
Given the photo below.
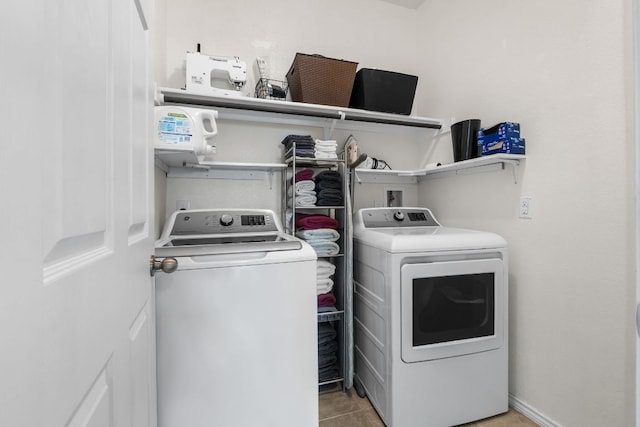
338, 409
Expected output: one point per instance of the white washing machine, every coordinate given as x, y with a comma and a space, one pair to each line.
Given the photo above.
430, 319
236, 322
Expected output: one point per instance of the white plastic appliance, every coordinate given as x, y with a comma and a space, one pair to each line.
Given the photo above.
215, 75
430, 319
236, 322
186, 129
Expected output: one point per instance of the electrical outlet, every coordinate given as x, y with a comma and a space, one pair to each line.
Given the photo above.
525, 207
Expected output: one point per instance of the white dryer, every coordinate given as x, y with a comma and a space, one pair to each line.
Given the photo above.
236, 322
430, 319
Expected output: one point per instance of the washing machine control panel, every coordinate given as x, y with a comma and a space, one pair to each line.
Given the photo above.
398, 217
215, 222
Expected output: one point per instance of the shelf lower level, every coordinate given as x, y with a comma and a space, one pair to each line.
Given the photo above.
477, 165
188, 159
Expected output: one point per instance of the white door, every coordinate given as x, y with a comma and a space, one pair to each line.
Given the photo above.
76, 329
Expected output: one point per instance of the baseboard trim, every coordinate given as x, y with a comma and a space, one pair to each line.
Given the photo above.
532, 413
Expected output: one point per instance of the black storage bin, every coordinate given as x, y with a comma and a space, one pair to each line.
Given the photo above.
384, 91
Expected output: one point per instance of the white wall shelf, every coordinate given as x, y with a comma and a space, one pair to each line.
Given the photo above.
296, 113
329, 118
490, 163
185, 164
188, 159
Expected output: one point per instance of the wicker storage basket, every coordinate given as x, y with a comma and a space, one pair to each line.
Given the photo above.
315, 79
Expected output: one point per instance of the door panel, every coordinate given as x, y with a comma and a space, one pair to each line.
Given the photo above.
95, 407
445, 289
141, 345
141, 126
77, 168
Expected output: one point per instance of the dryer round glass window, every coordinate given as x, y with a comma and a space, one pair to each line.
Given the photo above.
452, 308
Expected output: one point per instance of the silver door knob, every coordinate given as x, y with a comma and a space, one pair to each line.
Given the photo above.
167, 265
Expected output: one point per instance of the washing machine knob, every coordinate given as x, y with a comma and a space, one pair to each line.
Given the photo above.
226, 220
398, 216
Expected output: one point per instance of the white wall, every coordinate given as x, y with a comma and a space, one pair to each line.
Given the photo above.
362, 31
561, 69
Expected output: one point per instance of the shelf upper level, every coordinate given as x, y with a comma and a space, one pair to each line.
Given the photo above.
257, 105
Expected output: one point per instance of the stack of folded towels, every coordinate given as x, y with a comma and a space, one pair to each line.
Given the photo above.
328, 188
304, 144
327, 352
325, 149
323, 189
324, 286
324, 279
320, 232
304, 188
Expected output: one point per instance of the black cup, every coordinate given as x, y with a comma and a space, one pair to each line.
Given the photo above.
464, 136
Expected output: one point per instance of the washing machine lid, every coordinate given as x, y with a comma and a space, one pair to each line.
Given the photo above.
416, 230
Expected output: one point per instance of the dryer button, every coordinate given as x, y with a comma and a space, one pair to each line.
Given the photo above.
398, 216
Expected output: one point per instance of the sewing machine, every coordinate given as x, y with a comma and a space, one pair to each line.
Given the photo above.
212, 75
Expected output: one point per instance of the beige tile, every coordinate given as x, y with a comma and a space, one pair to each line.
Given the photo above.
346, 409
361, 418
510, 419
340, 403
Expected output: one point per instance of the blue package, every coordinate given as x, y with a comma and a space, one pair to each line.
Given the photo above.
504, 146
501, 138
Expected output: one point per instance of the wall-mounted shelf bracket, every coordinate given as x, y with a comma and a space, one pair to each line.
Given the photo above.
328, 132
434, 141
515, 164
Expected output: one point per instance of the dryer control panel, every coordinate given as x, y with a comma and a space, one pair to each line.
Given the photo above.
397, 217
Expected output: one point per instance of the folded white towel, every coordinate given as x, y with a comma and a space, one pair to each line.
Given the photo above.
323, 286
301, 192
303, 200
324, 248
319, 235
326, 143
324, 155
332, 149
325, 269
305, 185
325, 149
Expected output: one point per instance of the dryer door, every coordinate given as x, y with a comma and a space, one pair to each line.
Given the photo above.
452, 308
